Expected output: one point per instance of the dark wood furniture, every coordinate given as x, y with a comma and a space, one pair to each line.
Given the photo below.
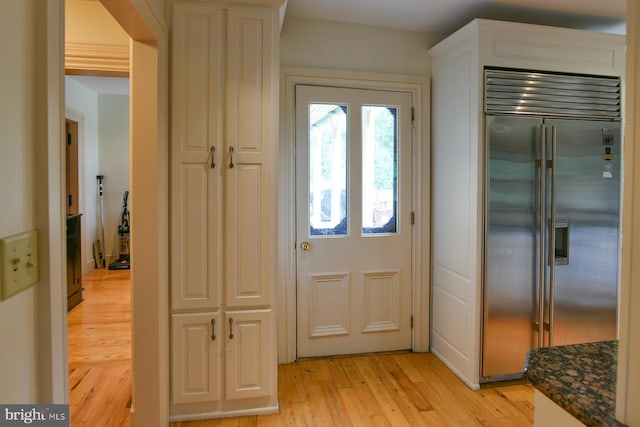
74, 266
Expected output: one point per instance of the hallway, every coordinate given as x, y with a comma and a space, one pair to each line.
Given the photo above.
99, 338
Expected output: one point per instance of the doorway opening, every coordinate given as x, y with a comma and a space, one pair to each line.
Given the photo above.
99, 321
98, 145
149, 279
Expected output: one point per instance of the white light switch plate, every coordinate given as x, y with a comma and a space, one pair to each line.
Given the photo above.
18, 263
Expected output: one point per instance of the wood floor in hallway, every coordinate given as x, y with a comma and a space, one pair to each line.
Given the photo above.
396, 389
99, 345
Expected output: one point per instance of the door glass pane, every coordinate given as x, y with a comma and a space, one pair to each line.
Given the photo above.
379, 169
327, 169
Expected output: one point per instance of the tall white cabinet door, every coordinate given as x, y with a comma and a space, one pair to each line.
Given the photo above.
195, 357
250, 157
196, 156
249, 359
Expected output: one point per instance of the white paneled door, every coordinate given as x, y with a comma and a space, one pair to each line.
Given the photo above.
353, 184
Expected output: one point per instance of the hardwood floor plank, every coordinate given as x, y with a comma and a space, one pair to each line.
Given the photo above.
410, 368
361, 389
318, 404
386, 368
350, 366
433, 419
380, 420
405, 384
383, 393
335, 405
338, 374
446, 405
302, 415
354, 407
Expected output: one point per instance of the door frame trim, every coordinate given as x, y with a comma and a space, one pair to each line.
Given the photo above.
419, 88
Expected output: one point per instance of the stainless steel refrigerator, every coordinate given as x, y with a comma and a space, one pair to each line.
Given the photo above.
552, 215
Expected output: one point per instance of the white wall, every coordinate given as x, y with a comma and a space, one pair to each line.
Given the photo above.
103, 150
18, 329
113, 130
335, 45
81, 105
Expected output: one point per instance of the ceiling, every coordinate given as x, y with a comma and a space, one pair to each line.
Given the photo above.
445, 16
104, 85
436, 16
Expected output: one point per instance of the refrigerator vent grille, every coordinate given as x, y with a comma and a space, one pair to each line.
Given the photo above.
521, 92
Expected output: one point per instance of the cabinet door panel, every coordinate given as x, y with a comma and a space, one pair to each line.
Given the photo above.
196, 157
194, 256
195, 358
249, 359
247, 278
250, 178
249, 78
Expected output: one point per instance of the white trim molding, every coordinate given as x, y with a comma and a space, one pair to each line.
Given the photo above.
51, 336
105, 59
419, 87
628, 375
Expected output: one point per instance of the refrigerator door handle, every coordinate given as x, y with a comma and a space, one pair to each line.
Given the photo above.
552, 234
542, 245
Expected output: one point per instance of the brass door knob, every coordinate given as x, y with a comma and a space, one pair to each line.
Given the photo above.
305, 246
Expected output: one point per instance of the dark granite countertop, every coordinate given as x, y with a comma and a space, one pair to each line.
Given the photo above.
580, 378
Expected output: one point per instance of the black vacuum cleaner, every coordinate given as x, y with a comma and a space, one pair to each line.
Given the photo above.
122, 263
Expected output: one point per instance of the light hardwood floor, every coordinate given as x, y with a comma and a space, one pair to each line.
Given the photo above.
99, 344
398, 389
395, 389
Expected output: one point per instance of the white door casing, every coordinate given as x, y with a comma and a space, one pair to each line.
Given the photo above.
354, 284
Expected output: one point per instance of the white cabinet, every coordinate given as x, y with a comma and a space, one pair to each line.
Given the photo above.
223, 210
195, 357
247, 368
250, 156
197, 339
458, 160
547, 413
196, 157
